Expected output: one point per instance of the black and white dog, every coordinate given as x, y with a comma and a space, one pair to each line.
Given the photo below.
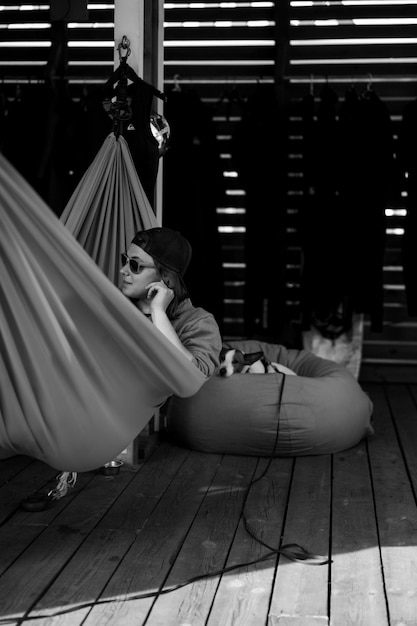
234, 361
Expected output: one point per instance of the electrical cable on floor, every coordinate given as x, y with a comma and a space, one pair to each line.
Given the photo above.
291, 551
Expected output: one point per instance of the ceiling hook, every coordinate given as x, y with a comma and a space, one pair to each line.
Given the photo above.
124, 45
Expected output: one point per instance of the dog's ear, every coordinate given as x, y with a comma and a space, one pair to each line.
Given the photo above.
252, 357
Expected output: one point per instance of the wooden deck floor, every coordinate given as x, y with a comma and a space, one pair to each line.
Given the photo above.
90, 557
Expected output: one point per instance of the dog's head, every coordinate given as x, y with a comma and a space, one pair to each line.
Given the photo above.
236, 362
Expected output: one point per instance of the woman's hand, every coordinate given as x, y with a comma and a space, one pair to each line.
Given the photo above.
159, 296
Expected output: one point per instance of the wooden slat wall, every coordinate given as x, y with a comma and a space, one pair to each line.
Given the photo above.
237, 53
26, 34
342, 43
358, 43
219, 46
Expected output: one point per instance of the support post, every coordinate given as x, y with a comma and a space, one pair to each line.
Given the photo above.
129, 22
141, 21
154, 73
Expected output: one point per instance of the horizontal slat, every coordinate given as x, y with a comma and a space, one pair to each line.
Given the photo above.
395, 313
218, 35
349, 29
341, 66
405, 331
222, 57
199, 72
365, 54
201, 12
383, 349
335, 10
11, 37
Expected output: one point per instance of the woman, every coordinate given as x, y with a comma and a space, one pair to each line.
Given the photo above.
153, 270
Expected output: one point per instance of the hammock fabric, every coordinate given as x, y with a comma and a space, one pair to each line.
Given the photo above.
109, 206
81, 369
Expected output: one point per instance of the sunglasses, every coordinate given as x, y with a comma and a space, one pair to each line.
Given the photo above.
135, 266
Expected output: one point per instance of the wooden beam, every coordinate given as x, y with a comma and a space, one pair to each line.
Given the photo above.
282, 26
153, 73
129, 22
141, 21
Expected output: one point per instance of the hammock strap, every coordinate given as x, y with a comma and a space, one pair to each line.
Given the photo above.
120, 110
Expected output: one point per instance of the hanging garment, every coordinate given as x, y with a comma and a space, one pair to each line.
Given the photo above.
322, 286
259, 150
109, 206
98, 121
350, 169
193, 189
367, 171
81, 369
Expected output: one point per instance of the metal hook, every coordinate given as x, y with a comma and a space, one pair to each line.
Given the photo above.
124, 45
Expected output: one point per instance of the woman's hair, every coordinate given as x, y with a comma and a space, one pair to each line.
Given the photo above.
174, 281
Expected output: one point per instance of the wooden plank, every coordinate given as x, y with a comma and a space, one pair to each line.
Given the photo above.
243, 595
396, 514
51, 513
206, 547
347, 30
209, 11
36, 476
297, 620
13, 542
83, 513
138, 500
300, 594
12, 466
148, 562
413, 390
25, 581
89, 505
357, 589
60, 530
403, 406
404, 331
390, 349
83, 579
326, 10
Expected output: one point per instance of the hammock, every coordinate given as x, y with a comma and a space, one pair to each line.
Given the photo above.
109, 206
81, 369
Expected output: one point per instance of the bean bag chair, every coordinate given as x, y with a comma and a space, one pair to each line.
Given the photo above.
323, 409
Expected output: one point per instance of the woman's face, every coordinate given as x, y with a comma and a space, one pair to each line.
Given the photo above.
134, 285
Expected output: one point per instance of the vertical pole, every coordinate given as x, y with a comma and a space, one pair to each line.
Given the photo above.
141, 21
154, 70
129, 21
282, 16
282, 25
159, 65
